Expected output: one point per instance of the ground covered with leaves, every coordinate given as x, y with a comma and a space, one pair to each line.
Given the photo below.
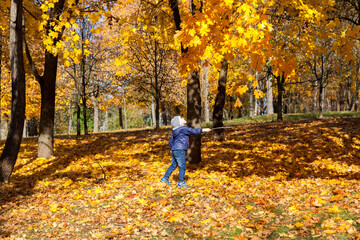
289, 180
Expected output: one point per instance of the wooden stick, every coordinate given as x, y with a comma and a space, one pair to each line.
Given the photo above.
220, 128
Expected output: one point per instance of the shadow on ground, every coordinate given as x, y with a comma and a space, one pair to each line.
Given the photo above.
294, 149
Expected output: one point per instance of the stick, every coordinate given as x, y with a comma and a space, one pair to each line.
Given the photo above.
220, 128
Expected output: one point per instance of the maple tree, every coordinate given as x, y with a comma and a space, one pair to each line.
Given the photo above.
82, 66
48, 79
147, 59
56, 17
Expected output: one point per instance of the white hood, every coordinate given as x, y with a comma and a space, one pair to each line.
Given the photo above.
176, 122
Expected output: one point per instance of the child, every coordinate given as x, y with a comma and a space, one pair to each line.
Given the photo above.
179, 143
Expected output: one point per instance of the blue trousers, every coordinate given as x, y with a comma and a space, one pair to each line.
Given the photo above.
178, 158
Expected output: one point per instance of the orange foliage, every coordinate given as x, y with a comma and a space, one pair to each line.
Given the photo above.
283, 180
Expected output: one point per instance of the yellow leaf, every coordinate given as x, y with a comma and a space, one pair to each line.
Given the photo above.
44, 7
68, 183
293, 209
190, 203
205, 221
229, 2
238, 103
242, 89
329, 231
176, 218
45, 16
299, 225
53, 209
64, 209
79, 196
76, 38
172, 219
76, 59
334, 209
258, 93
67, 63
142, 201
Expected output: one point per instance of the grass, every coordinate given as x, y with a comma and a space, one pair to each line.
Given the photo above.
286, 117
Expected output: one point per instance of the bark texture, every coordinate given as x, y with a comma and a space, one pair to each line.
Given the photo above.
13, 140
219, 134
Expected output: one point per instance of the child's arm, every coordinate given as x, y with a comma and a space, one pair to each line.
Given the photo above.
190, 131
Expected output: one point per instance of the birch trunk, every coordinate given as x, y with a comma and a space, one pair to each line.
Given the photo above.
205, 78
95, 103
269, 94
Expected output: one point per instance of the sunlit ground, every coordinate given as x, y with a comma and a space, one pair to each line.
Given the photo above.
290, 180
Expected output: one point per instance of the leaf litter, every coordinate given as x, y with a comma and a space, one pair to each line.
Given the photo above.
287, 180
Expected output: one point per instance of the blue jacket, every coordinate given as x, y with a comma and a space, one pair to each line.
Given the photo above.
179, 140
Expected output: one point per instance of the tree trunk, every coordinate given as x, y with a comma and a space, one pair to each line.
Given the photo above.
356, 95
231, 111
153, 112
256, 100
219, 134
13, 140
1, 45
70, 119
47, 88
341, 98
194, 116
205, 79
78, 114
84, 97
251, 100
106, 121
280, 84
32, 127
47, 115
25, 132
269, 94
156, 87
96, 113
157, 110
296, 96
125, 114
164, 114
315, 100
349, 101
121, 124
321, 102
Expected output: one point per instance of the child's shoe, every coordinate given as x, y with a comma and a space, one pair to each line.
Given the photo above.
183, 184
165, 181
